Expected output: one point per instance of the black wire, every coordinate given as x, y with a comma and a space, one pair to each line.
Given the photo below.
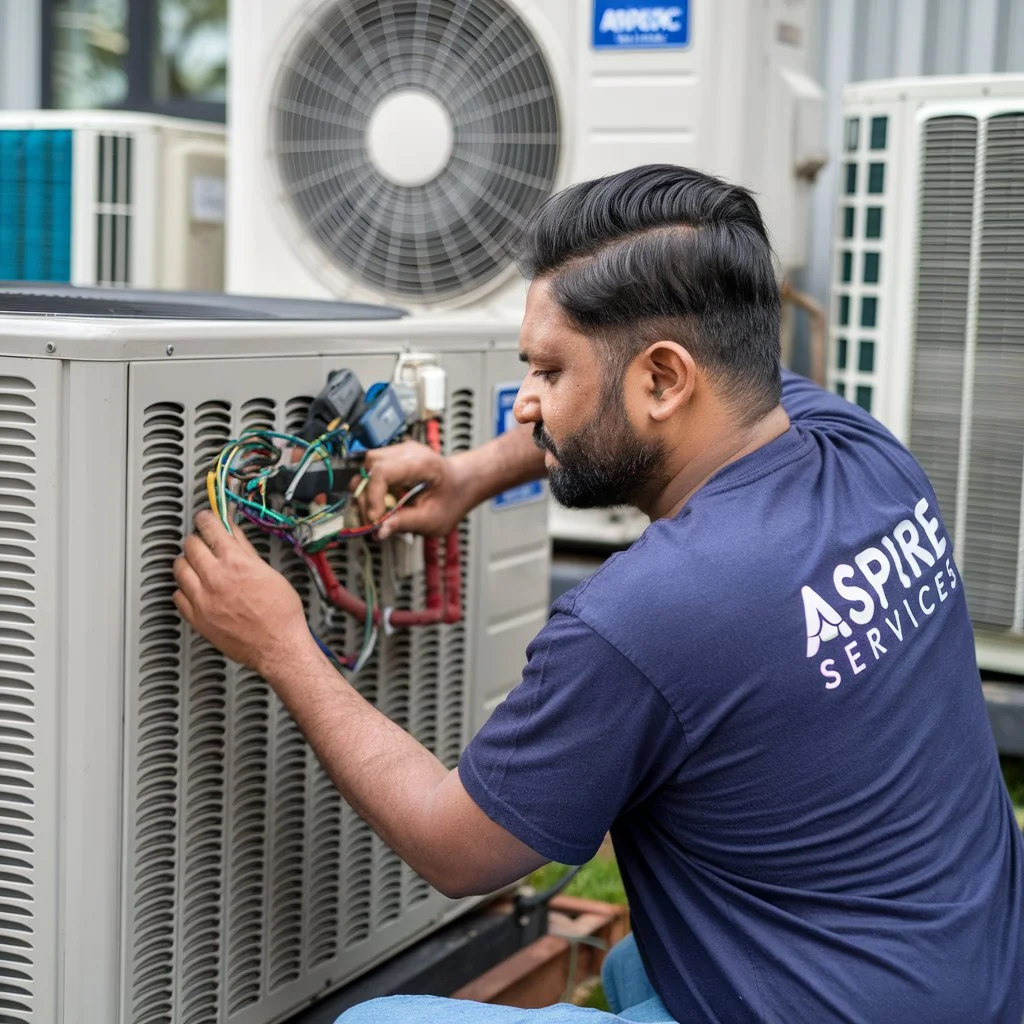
546, 895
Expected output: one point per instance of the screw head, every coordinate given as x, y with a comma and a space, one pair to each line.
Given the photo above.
50, 347
170, 350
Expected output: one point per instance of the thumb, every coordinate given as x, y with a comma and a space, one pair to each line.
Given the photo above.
412, 519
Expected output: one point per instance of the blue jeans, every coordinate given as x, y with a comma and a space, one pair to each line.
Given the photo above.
626, 985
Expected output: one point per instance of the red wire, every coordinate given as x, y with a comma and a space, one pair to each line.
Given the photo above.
446, 607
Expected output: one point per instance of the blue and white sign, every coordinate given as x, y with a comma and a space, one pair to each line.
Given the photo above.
625, 25
504, 419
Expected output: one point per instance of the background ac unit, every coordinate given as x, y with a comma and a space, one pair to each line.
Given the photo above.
99, 197
389, 150
928, 312
172, 850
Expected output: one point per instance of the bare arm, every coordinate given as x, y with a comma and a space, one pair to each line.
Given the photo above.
457, 484
420, 808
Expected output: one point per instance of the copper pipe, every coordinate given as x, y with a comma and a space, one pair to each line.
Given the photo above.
819, 328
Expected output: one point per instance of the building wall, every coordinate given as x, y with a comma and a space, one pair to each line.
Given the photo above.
867, 39
20, 51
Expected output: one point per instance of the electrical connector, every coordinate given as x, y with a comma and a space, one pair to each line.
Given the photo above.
341, 399
383, 421
433, 391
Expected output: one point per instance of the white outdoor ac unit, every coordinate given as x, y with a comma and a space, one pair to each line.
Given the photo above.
171, 849
109, 198
388, 150
928, 312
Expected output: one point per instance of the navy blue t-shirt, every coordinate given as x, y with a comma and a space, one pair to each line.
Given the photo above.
772, 702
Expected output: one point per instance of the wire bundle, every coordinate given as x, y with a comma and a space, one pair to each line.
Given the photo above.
240, 483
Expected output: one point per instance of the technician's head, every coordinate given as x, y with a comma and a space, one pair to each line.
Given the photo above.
653, 312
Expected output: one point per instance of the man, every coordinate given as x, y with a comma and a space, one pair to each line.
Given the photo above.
771, 700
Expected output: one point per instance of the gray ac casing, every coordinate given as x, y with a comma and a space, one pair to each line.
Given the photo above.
171, 850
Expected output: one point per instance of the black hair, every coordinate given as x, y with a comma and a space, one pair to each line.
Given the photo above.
662, 251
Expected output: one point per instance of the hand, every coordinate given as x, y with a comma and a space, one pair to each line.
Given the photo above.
436, 511
229, 595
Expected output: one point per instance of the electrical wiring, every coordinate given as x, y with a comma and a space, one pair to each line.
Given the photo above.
258, 477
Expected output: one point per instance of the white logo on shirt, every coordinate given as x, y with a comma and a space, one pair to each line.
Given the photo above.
899, 557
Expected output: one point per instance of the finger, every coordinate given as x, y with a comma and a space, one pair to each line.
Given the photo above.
372, 499
408, 520
199, 556
185, 608
187, 579
211, 529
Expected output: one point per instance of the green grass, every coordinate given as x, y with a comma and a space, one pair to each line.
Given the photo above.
1013, 773
599, 879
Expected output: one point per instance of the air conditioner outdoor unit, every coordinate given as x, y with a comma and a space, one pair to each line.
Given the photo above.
928, 314
110, 198
171, 849
388, 151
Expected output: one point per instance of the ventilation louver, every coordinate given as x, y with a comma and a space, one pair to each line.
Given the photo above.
412, 139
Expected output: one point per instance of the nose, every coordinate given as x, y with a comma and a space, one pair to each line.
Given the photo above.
527, 404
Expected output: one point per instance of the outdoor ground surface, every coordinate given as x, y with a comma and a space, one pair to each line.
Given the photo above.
600, 879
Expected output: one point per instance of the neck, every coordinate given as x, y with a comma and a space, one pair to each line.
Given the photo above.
710, 452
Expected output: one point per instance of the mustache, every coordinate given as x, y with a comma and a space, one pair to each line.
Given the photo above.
542, 441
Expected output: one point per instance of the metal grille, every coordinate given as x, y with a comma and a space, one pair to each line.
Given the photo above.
478, 59
35, 205
113, 209
249, 871
943, 275
20, 826
993, 528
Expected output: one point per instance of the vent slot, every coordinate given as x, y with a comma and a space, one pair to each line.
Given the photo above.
35, 205
943, 273
114, 209
992, 530
158, 713
18, 713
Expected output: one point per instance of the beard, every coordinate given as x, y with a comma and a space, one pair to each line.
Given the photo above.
605, 463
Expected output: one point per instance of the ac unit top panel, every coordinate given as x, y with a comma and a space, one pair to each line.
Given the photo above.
53, 300
105, 121
934, 88
136, 339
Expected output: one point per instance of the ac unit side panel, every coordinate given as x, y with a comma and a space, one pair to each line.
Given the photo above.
514, 566
92, 690
249, 885
31, 492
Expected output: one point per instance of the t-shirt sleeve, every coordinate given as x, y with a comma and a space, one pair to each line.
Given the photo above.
582, 739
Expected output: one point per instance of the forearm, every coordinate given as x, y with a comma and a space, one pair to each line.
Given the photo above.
509, 460
388, 777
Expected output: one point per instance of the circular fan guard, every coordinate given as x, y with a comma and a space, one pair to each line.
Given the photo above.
478, 60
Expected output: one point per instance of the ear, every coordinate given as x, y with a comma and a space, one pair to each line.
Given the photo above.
669, 376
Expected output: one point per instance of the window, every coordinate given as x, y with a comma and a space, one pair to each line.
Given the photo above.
851, 179
864, 396
871, 267
840, 353
840, 389
844, 310
847, 272
849, 214
879, 125
868, 311
87, 45
852, 134
159, 56
866, 357
876, 179
873, 224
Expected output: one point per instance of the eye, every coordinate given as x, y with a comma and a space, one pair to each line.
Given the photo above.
547, 375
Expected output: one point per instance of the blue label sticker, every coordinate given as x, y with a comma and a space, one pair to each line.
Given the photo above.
625, 25
504, 419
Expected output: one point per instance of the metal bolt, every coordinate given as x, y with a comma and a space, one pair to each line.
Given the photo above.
524, 920
50, 347
170, 350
